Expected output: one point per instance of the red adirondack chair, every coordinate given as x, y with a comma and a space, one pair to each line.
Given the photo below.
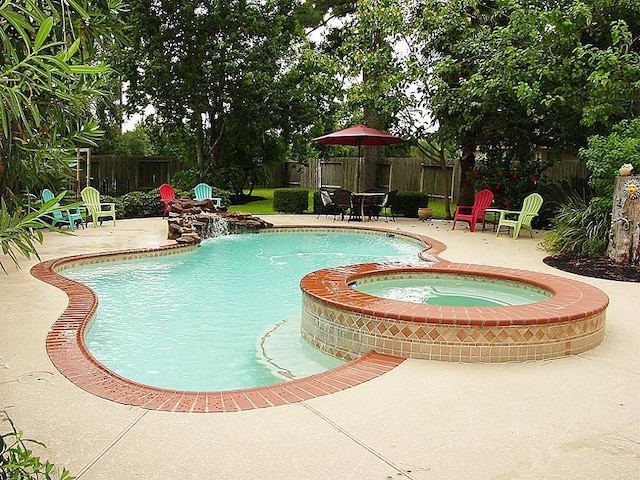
166, 194
475, 213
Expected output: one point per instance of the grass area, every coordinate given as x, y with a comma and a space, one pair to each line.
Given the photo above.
437, 206
261, 203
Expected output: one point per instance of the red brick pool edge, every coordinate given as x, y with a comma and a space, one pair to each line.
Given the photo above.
67, 351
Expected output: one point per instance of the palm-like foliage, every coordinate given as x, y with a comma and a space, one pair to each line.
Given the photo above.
18, 461
581, 227
50, 77
19, 232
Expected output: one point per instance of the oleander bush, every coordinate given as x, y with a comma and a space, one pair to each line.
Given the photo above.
19, 462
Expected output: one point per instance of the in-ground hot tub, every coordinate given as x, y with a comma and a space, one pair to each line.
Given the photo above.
347, 323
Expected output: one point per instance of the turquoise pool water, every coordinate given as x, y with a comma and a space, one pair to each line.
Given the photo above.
222, 317
453, 292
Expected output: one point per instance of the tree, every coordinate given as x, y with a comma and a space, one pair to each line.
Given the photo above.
135, 142
374, 74
236, 74
511, 75
606, 154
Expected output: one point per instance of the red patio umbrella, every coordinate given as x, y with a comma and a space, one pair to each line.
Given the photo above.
358, 135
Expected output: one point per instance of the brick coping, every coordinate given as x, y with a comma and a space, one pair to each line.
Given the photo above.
68, 352
66, 348
570, 300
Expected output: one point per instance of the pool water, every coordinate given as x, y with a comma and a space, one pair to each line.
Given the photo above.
453, 292
200, 320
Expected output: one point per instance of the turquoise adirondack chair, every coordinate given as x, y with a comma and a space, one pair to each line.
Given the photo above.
530, 208
61, 215
203, 191
97, 210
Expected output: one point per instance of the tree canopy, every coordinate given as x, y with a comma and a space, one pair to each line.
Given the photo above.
237, 74
506, 76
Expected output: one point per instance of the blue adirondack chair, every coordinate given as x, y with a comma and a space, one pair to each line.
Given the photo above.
61, 215
203, 191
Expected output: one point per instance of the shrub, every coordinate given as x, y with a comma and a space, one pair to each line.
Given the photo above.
605, 155
509, 181
139, 205
224, 195
290, 200
149, 204
580, 228
18, 462
186, 179
407, 203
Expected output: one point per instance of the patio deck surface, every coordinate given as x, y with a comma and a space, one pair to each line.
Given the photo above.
573, 417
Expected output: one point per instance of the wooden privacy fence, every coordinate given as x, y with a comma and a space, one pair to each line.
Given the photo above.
406, 174
116, 175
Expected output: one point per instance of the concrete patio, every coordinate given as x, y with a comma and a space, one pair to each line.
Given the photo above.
569, 418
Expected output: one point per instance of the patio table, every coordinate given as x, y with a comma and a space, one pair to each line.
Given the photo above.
493, 214
363, 197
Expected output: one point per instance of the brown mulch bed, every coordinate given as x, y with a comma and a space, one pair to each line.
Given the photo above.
597, 267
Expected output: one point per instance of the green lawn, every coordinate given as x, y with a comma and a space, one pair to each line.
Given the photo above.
263, 204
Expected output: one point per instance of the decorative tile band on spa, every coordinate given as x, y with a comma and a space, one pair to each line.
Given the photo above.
345, 323
66, 348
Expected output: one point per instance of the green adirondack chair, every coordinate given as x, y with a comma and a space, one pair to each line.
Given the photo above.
530, 208
61, 215
98, 211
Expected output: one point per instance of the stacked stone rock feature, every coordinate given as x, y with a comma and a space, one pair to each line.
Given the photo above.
191, 221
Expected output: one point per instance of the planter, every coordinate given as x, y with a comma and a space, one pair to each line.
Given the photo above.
425, 213
625, 170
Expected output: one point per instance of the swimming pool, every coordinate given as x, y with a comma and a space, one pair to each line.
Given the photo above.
197, 321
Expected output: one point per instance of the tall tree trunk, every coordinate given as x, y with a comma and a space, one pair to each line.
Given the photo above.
446, 181
624, 236
197, 124
369, 167
216, 131
372, 155
467, 164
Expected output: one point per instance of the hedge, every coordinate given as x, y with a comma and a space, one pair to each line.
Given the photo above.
290, 200
407, 203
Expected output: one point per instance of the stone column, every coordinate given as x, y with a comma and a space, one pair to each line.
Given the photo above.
624, 236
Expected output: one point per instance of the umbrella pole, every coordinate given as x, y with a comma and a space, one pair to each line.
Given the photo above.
358, 169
